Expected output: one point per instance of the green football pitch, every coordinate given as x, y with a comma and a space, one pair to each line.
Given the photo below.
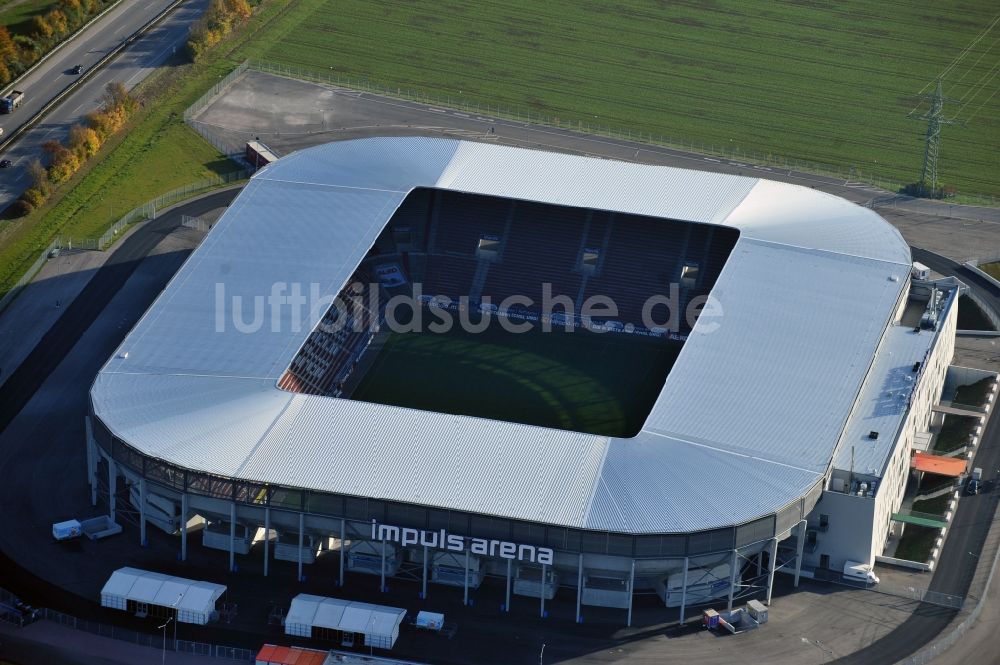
581, 381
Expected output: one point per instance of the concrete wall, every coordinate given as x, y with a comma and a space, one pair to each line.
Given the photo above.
859, 526
926, 394
849, 536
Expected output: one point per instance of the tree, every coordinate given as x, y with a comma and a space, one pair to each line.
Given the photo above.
8, 49
41, 28
20, 207
116, 98
64, 163
39, 176
240, 9
58, 21
83, 141
73, 10
34, 197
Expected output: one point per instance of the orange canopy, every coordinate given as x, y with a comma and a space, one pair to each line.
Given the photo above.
953, 467
275, 655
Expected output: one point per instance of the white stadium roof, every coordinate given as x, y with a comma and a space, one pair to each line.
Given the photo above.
748, 421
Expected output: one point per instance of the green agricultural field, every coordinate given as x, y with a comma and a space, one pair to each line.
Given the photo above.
581, 381
826, 82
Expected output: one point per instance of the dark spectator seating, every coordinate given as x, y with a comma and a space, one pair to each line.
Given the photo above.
637, 257
331, 352
462, 219
542, 245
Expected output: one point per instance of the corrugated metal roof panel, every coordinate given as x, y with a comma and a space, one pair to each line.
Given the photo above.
775, 375
793, 215
200, 422
586, 182
884, 400
436, 459
218, 317
758, 404
700, 488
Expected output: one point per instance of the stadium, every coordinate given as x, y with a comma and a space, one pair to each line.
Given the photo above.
452, 361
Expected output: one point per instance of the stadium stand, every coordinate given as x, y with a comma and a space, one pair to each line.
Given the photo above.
455, 244
332, 350
542, 246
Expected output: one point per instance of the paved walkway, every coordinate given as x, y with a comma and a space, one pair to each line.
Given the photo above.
26, 320
41, 303
46, 642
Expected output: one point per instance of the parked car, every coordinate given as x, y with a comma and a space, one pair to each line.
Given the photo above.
5, 163
78, 69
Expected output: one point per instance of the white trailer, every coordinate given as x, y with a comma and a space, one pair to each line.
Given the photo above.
66, 530
528, 582
365, 556
703, 585
449, 568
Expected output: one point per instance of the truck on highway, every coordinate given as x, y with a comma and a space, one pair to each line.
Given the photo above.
11, 101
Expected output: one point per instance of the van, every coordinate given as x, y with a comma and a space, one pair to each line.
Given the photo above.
862, 572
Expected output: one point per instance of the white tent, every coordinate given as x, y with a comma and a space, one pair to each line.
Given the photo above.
379, 624
194, 601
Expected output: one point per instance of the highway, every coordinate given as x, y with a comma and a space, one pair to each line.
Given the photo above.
87, 48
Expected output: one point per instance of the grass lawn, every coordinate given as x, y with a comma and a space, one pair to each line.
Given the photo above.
933, 483
991, 269
824, 82
579, 381
954, 433
916, 543
156, 154
17, 14
973, 394
936, 506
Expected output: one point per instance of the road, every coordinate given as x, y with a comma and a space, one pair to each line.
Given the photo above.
53, 76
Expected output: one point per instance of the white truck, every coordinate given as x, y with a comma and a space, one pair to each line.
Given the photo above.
862, 572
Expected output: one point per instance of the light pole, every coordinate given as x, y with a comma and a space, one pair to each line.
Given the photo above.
163, 659
176, 617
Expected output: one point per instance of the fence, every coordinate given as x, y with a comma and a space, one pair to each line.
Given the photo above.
733, 153
148, 210
214, 91
28, 275
196, 223
153, 641
141, 213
